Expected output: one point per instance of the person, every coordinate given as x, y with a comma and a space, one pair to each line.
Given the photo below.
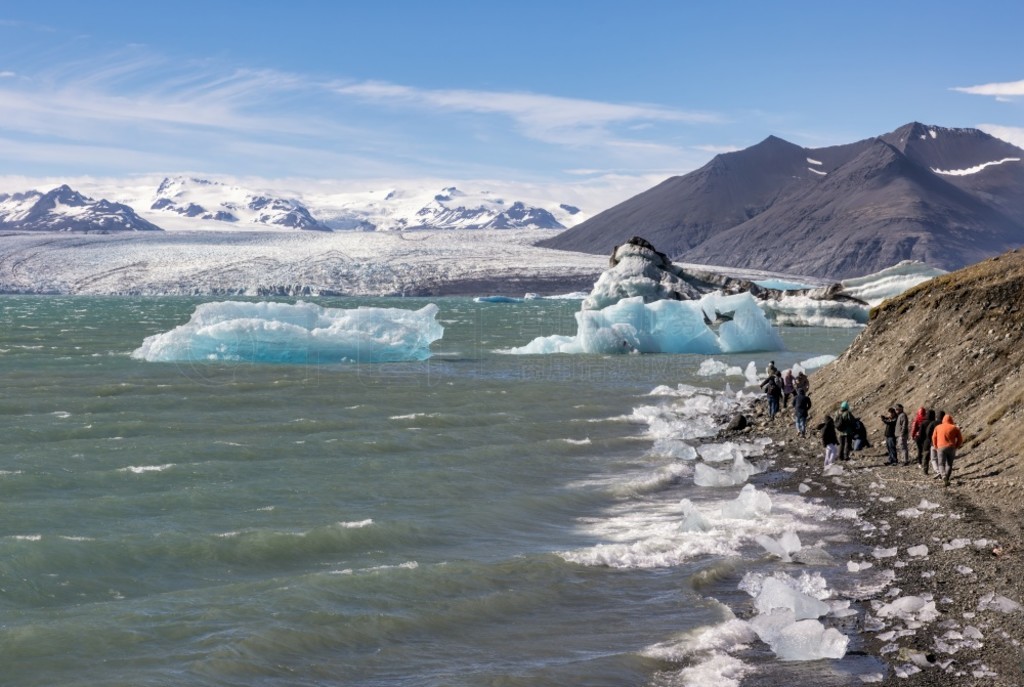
788, 388
802, 382
902, 434
932, 459
923, 439
829, 439
801, 408
773, 389
890, 435
860, 435
845, 427
772, 370
916, 427
947, 439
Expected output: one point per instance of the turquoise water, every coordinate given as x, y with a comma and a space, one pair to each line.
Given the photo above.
314, 524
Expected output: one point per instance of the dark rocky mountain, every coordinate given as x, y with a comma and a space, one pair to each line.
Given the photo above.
64, 209
948, 197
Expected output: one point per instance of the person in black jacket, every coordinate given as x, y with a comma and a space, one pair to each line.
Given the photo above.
829, 439
932, 459
890, 435
801, 408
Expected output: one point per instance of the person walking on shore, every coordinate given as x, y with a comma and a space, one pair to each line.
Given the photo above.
845, 426
802, 383
829, 439
801, 408
773, 390
902, 434
917, 430
923, 438
947, 439
788, 388
890, 435
932, 459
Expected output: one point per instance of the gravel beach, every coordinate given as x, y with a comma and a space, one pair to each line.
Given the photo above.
949, 613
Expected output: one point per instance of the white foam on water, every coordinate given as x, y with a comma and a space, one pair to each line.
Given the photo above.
141, 469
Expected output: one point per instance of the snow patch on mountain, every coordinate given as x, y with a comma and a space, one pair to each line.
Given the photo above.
975, 169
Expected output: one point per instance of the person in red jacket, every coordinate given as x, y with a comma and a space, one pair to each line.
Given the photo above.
947, 439
917, 429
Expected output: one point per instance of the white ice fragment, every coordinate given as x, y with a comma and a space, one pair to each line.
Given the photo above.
853, 566
803, 488
918, 551
965, 570
719, 453
799, 640
693, 521
927, 505
909, 513
776, 594
995, 602
883, 553
750, 504
783, 547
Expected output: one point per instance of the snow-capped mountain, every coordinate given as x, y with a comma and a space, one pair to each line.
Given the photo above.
212, 201
64, 209
209, 204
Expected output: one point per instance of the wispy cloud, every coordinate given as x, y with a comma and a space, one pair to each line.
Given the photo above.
1010, 134
551, 119
1000, 91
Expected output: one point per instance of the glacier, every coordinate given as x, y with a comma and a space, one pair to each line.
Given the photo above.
296, 333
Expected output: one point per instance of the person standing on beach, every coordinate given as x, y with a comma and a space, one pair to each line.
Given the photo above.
773, 390
923, 439
929, 430
846, 425
802, 383
947, 439
890, 435
917, 429
801, 408
788, 388
902, 434
829, 439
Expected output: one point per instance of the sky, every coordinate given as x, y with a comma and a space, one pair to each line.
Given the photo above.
609, 95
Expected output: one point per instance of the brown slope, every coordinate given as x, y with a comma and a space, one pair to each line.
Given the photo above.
955, 344
870, 213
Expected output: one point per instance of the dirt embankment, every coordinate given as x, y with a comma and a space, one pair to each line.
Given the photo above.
955, 343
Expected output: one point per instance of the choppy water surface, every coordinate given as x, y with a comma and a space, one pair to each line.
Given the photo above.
472, 519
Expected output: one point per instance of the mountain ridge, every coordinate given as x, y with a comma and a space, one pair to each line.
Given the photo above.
949, 197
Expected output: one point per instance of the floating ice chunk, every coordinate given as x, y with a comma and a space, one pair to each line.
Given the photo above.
693, 521
817, 361
706, 476
719, 453
854, 566
783, 547
498, 299
750, 504
674, 448
776, 594
995, 602
750, 372
299, 333
712, 367
918, 551
799, 640
883, 553
664, 326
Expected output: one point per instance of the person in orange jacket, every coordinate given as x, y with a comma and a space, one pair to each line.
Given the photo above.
947, 439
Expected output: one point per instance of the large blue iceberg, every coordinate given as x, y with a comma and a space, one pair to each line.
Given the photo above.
716, 323
299, 333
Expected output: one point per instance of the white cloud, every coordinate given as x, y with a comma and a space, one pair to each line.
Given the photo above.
552, 119
1008, 89
1010, 134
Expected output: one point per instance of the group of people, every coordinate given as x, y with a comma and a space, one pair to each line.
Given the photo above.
933, 432
781, 389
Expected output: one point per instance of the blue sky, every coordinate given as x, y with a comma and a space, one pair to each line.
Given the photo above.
551, 91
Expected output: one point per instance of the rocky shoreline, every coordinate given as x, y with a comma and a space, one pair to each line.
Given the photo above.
941, 549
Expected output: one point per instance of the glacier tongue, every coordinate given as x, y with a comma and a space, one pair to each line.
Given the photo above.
299, 333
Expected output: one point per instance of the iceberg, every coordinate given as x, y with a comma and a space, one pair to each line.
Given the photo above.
631, 325
799, 640
299, 333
